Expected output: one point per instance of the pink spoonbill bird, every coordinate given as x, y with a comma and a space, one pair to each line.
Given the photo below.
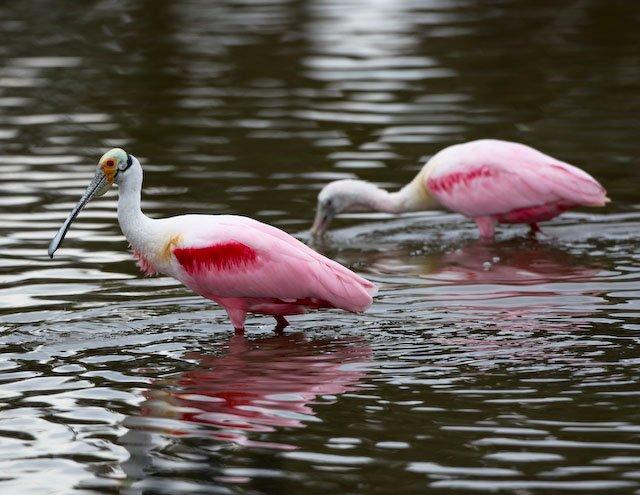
488, 180
243, 265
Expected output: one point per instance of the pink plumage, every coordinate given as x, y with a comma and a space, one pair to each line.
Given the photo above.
496, 181
250, 267
144, 264
221, 256
242, 264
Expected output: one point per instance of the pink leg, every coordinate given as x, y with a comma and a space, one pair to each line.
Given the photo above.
237, 317
281, 324
534, 229
486, 225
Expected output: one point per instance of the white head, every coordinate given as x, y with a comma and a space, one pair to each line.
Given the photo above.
116, 166
346, 195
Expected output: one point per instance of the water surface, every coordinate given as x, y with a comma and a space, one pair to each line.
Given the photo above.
508, 366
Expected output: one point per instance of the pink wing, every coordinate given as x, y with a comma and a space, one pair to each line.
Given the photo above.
237, 257
493, 178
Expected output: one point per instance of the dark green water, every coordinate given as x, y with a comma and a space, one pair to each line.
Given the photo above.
509, 367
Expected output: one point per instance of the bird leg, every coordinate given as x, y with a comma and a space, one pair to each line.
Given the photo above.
534, 229
486, 225
237, 317
281, 324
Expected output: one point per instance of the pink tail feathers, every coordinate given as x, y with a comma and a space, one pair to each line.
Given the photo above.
596, 195
578, 186
346, 290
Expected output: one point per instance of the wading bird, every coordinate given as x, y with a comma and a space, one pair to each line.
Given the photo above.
243, 265
489, 181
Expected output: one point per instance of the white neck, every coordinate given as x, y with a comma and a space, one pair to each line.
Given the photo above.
412, 197
135, 225
374, 198
415, 196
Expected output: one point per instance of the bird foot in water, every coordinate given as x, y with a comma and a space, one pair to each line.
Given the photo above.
534, 230
281, 324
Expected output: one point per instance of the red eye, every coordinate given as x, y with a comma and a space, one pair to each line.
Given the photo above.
110, 163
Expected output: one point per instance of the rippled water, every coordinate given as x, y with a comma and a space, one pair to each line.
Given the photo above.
511, 365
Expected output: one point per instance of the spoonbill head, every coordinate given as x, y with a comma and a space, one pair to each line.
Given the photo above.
348, 196
489, 181
244, 265
113, 163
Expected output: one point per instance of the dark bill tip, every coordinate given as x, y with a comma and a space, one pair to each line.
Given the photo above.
96, 184
320, 224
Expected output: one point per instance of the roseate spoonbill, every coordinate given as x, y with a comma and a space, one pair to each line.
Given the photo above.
488, 180
243, 265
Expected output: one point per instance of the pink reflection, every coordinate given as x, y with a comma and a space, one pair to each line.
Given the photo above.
481, 262
510, 286
259, 385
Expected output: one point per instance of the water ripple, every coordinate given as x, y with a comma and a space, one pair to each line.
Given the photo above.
509, 366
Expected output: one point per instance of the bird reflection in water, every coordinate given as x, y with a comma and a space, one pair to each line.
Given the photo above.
512, 262
502, 293
260, 385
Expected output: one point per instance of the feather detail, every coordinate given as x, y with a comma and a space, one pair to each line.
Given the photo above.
222, 256
144, 264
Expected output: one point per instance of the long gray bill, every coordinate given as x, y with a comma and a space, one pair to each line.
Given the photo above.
96, 184
321, 221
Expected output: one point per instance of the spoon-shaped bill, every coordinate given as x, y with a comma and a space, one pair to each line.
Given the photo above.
321, 222
97, 187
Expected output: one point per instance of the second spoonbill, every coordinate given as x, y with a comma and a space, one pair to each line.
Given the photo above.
489, 181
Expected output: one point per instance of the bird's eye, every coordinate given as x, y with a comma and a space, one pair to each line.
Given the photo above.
110, 163
328, 203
